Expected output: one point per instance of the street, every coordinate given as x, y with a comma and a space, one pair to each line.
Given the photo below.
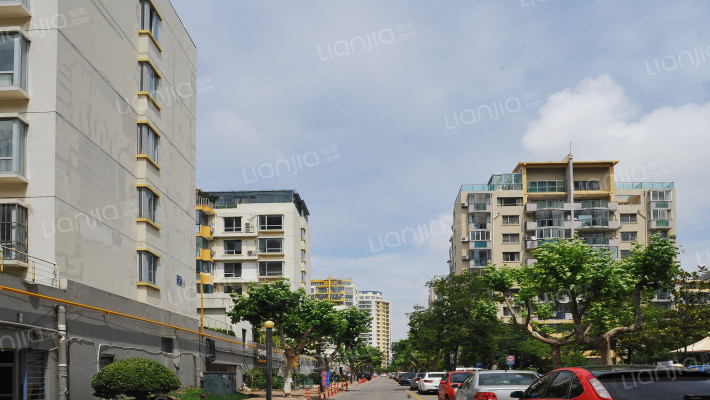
382, 388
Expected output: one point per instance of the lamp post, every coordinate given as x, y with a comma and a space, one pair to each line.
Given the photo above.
268, 325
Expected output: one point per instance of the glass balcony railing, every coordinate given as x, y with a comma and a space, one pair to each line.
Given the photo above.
480, 244
550, 204
643, 185
596, 241
595, 204
480, 206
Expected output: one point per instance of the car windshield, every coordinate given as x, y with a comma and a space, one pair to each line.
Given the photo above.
507, 379
458, 378
651, 385
435, 376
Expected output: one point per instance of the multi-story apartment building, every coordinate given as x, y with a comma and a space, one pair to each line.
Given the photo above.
342, 292
244, 237
379, 335
503, 221
97, 167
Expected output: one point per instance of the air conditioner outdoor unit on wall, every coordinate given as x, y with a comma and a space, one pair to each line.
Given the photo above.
464, 239
465, 258
464, 204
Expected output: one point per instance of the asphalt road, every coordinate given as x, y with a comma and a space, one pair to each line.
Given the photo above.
382, 388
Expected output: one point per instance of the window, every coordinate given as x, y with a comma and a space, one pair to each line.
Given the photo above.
564, 386
303, 233
271, 222
232, 270
661, 195
659, 214
511, 238
232, 247
510, 220
233, 224
13, 60
148, 142
267, 245
625, 253
510, 201
166, 345
147, 203
546, 186
628, 218
270, 268
106, 359
480, 235
204, 266
150, 19
511, 256
150, 79
233, 289
147, 266
13, 231
628, 236
587, 185
13, 146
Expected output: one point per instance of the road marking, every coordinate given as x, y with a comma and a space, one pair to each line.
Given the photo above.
414, 394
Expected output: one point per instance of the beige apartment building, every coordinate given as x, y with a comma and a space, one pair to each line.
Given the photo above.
244, 237
504, 220
379, 335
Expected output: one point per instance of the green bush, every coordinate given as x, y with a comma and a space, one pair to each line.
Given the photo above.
136, 377
256, 379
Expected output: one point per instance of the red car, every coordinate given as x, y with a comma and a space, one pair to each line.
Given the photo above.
619, 382
450, 382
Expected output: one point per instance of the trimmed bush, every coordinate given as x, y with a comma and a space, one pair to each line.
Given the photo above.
256, 379
135, 377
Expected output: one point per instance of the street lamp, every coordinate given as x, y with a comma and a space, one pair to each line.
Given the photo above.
268, 325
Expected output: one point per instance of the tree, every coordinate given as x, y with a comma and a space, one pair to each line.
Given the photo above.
298, 319
363, 358
348, 334
594, 285
136, 377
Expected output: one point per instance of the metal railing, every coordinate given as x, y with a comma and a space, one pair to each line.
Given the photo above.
38, 270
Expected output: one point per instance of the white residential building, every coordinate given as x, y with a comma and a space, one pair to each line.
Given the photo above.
379, 335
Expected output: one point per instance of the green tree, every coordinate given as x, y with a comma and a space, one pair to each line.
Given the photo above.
348, 334
136, 377
298, 319
594, 285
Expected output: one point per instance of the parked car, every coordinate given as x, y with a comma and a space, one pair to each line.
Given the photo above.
405, 378
414, 383
620, 383
451, 382
494, 384
430, 382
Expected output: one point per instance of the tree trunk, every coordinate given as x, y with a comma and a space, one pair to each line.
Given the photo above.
556, 350
289, 374
605, 352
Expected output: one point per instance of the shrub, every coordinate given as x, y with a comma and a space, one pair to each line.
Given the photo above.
256, 379
136, 377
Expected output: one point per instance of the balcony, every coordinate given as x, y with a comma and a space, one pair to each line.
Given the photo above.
479, 226
598, 223
15, 9
660, 205
479, 207
479, 244
660, 224
599, 204
594, 241
204, 231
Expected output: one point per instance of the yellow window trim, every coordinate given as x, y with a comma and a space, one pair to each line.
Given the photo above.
148, 284
147, 186
149, 222
155, 69
150, 34
152, 99
151, 126
148, 250
150, 160
160, 17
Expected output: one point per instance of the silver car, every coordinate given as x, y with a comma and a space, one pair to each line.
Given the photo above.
498, 382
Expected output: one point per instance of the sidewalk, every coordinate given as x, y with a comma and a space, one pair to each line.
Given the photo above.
299, 394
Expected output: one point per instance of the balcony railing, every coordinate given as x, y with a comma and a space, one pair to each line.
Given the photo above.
660, 224
36, 270
643, 185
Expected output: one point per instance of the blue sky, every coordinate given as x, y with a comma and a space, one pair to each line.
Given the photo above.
376, 112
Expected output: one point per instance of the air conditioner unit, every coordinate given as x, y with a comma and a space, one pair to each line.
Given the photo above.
465, 258
249, 253
247, 225
530, 238
464, 239
464, 204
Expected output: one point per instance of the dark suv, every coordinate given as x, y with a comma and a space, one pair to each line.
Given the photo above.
405, 378
620, 382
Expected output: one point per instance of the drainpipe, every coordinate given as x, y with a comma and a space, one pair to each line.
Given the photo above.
62, 370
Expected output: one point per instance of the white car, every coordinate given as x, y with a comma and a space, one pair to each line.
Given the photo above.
494, 384
430, 382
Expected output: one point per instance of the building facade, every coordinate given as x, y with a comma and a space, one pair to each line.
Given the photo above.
503, 221
379, 335
342, 292
244, 237
97, 170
